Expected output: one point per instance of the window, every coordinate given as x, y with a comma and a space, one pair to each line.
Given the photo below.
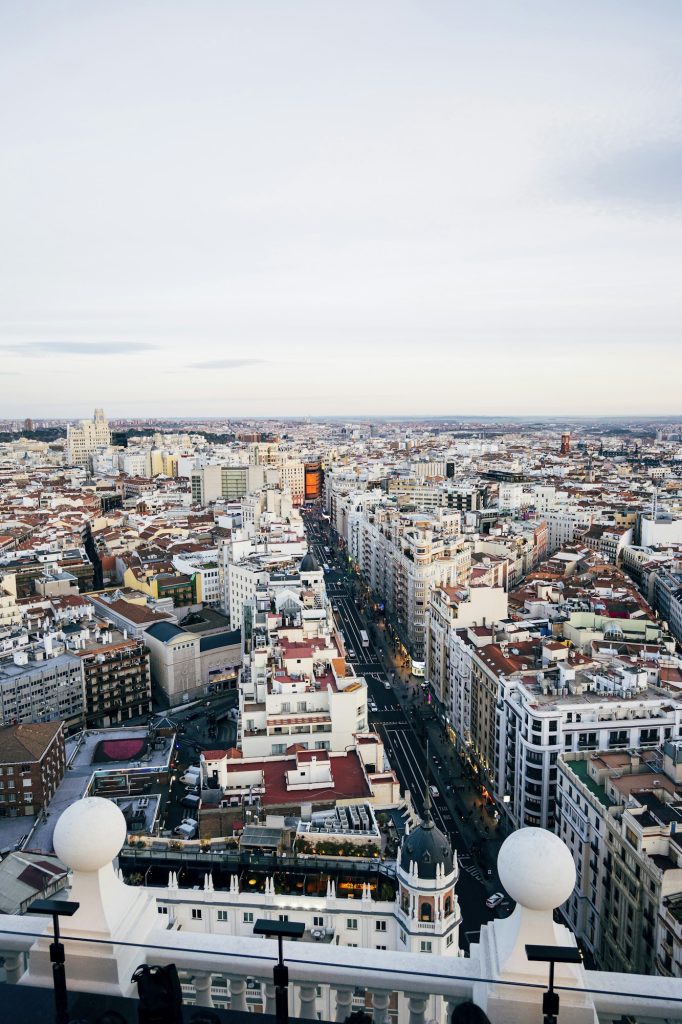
402, 936
248, 917
162, 910
380, 926
381, 947
318, 922
352, 924
196, 913
425, 946
283, 917
222, 915
448, 941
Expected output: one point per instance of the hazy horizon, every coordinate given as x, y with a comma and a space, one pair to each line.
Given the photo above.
310, 207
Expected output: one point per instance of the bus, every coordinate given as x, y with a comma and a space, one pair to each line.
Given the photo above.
364, 639
417, 668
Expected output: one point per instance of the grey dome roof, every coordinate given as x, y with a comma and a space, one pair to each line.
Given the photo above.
428, 847
309, 563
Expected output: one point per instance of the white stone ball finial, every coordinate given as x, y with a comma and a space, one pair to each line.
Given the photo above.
89, 834
536, 868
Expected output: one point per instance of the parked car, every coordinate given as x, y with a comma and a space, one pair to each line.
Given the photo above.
494, 900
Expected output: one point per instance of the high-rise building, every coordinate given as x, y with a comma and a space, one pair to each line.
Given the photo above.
83, 440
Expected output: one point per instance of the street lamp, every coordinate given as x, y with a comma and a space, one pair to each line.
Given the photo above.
280, 974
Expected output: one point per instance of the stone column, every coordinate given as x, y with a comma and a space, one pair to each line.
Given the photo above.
14, 967
237, 992
269, 992
308, 997
344, 1001
202, 987
380, 1000
416, 1002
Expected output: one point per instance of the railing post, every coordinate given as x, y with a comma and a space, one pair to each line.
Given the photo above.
15, 965
308, 996
237, 993
269, 990
202, 987
416, 1002
380, 1000
344, 1001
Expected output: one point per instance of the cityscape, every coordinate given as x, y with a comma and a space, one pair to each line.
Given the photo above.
340, 513
313, 662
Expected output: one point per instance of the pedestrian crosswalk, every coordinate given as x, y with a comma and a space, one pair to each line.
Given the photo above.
466, 864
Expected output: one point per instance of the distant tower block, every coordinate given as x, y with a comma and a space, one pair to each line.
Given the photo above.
565, 443
28, 424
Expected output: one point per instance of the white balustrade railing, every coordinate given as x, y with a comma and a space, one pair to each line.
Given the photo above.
329, 980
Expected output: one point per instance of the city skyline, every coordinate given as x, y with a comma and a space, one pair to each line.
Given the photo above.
305, 210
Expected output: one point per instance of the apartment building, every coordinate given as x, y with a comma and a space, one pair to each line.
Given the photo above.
116, 679
32, 764
296, 686
620, 813
10, 614
207, 484
450, 609
403, 556
568, 708
292, 478
38, 687
667, 598
83, 440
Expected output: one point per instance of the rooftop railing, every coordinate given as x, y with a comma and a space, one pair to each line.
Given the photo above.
237, 972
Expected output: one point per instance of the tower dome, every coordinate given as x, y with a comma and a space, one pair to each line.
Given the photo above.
427, 847
309, 563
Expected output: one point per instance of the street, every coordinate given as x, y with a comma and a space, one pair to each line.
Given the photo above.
408, 726
201, 726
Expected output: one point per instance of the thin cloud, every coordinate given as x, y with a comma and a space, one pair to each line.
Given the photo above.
76, 348
225, 364
648, 174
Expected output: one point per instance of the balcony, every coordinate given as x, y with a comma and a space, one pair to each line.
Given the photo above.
118, 927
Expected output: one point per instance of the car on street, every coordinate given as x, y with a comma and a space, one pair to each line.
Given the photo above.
494, 900
351, 653
433, 790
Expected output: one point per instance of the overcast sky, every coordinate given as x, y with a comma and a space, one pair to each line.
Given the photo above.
287, 207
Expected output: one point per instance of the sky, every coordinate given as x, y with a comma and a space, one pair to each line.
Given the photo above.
289, 208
